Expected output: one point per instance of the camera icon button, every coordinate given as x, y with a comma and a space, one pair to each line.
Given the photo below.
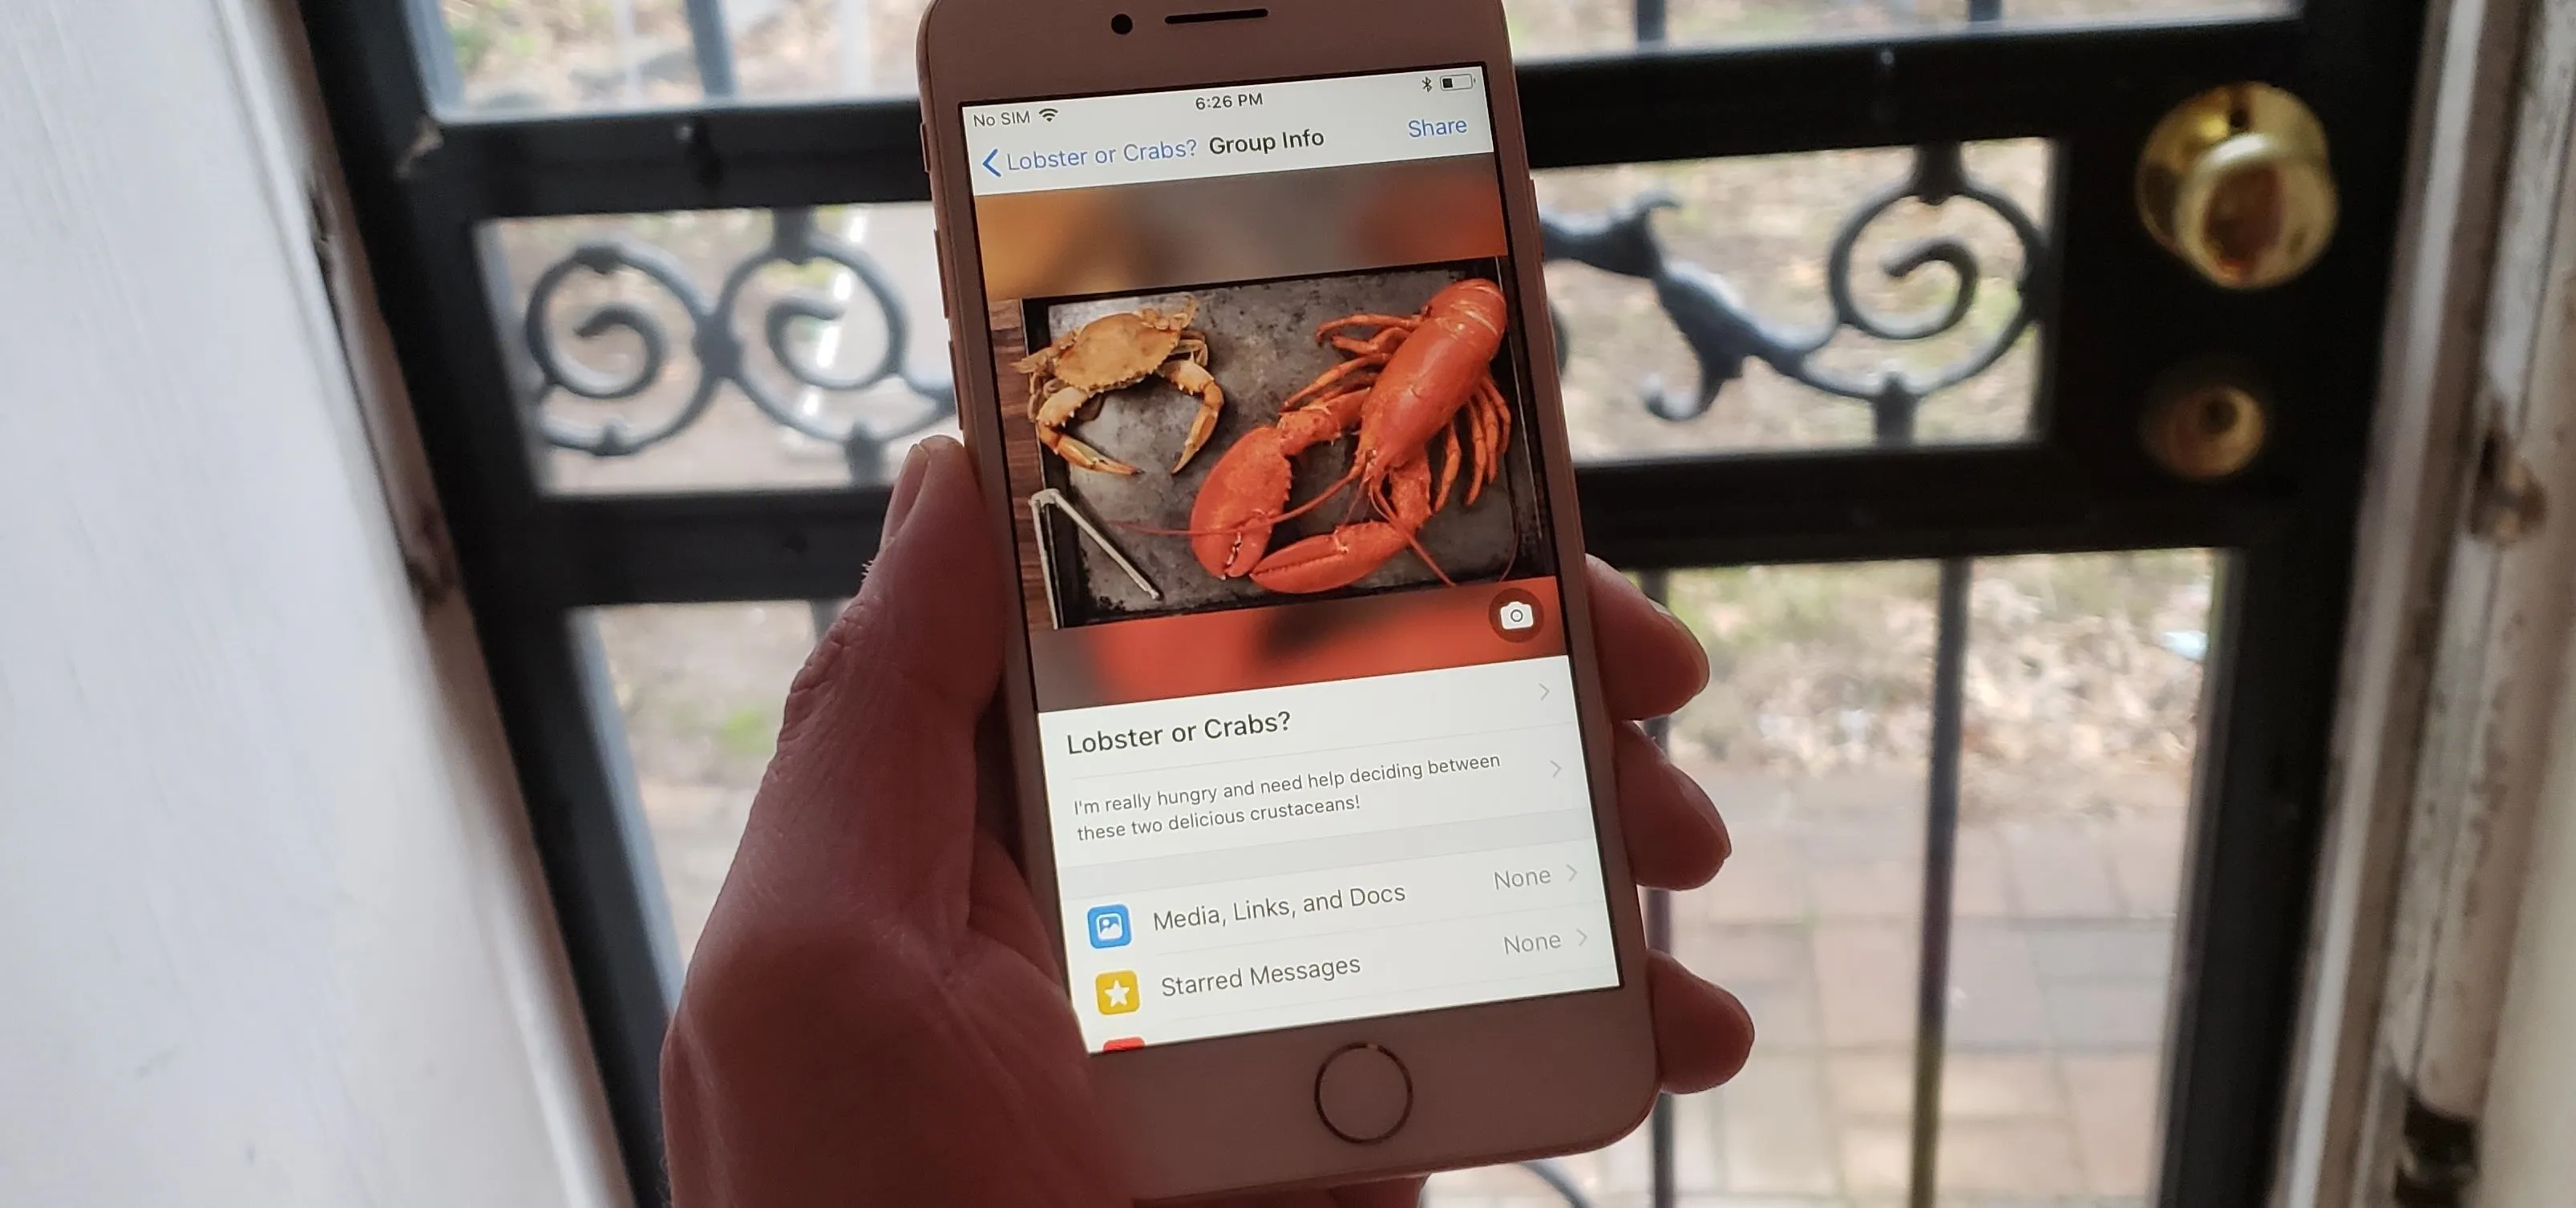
1516, 615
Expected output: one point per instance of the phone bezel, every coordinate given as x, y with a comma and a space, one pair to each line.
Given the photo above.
1492, 1082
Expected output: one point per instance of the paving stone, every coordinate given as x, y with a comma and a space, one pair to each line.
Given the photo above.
1994, 991
1698, 1144
1474, 1184
2107, 1015
1778, 1127
1865, 983
1879, 1087
1786, 1017
1890, 836
1764, 881
1590, 1172
2013, 1157
1625, 1167
2059, 871
1743, 954
2146, 860
1877, 1158
1981, 878
1867, 889
1443, 1191
1723, 1200
1871, 795
2102, 951
2115, 1112
1980, 1086
1874, 1087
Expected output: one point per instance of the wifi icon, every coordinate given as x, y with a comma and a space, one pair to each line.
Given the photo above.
1047, 114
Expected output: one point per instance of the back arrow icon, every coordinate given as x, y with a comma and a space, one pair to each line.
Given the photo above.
989, 156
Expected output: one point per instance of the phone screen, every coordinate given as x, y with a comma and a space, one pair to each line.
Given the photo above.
1308, 725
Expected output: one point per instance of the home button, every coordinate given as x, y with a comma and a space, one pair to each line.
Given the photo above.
1363, 1093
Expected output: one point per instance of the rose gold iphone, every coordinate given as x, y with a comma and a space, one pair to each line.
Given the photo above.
1315, 782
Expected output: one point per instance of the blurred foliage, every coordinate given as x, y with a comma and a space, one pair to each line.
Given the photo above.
2074, 661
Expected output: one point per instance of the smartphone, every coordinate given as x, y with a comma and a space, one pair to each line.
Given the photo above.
1251, 346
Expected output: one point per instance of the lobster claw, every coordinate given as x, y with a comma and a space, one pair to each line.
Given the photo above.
1329, 560
1244, 492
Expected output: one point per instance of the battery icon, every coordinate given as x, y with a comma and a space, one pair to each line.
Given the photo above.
1457, 83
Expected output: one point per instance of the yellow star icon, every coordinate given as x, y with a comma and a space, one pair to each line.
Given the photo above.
1118, 992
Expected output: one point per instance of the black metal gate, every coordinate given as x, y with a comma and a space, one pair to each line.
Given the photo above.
2117, 319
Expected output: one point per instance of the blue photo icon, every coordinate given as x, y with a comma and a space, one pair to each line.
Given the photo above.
1108, 927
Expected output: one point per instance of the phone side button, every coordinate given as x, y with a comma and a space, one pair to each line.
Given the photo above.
1363, 1093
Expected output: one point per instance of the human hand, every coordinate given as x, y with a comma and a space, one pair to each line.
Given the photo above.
875, 1015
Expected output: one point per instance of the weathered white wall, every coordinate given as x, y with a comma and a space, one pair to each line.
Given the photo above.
2529, 1126
268, 935
2530, 1141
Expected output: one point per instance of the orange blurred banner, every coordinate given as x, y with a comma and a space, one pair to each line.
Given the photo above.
1308, 642
1070, 242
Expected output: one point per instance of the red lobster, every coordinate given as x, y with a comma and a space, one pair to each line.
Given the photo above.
1417, 378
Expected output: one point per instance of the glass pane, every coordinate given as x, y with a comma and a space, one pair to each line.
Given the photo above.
1560, 27
727, 348
572, 55
551, 55
830, 343
2082, 684
1811, 738
1696, 300
796, 49
2082, 722
1749, 21
700, 687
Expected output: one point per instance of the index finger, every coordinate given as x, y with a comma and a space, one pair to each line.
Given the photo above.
1651, 663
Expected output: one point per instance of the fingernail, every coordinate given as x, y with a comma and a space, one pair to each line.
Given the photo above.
1692, 788
907, 487
1699, 653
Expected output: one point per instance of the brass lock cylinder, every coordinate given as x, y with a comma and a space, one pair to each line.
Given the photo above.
2235, 182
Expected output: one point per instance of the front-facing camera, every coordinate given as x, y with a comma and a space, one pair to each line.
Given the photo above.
1121, 23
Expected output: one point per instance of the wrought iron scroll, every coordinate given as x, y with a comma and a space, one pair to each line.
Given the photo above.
1724, 333
719, 350
1721, 330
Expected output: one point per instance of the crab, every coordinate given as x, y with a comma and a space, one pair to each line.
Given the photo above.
1111, 353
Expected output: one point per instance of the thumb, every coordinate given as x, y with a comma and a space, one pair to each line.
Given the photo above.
871, 796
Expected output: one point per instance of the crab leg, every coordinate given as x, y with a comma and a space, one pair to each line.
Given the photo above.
1187, 374
1039, 366
1058, 411
1074, 452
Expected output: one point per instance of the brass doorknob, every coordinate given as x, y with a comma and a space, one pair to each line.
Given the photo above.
2235, 182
